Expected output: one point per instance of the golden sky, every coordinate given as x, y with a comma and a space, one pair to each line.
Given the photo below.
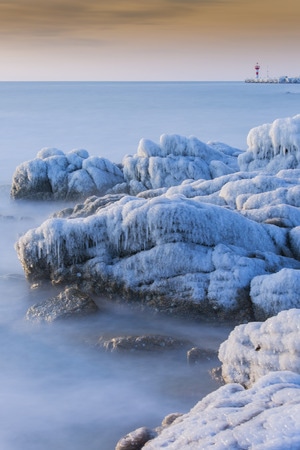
148, 40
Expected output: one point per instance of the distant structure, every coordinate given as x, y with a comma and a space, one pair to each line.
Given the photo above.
282, 79
257, 67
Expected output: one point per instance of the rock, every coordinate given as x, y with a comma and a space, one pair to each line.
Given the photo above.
69, 303
170, 418
188, 247
197, 355
145, 343
136, 439
257, 348
53, 175
175, 254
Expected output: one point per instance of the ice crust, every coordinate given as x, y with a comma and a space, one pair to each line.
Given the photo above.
177, 158
264, 417
53, 175
254, 349
273, 146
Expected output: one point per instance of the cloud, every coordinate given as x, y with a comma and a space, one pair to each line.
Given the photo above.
74, 17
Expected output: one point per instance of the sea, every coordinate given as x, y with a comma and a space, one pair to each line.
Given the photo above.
58, 390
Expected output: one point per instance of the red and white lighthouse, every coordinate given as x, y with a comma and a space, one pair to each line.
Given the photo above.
257, 67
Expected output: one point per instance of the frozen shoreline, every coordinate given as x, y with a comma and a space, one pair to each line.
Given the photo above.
270, 200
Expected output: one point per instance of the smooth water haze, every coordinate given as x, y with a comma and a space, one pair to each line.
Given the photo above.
57, 389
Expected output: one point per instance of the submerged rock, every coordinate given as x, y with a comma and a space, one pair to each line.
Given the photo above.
69, 303
145, 343
197, 355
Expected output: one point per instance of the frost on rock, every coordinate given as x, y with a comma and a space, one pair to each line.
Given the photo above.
172, 252
261, 197
69, 303
53, 175
267, 416
273, 293
183, 227
257, 348
177, 158
273, 147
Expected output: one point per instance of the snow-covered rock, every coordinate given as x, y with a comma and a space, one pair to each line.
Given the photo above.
172, 252
264, 417
183, 228
273, 293
257, 348
273, 147
177, 158
53, 175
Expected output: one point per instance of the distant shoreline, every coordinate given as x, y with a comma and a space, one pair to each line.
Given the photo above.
280, 80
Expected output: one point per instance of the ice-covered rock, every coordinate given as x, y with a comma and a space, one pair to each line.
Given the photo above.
182, 241
177, 254
257, 348
273, 293
53, 175
273, 146
266, 416
177, 158
264, 198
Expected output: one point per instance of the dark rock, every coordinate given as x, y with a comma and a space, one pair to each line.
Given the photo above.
136, 439
169, 419
145, 343
69, 303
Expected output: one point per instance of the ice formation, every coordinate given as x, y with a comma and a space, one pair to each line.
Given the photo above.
167, 247
192, 233
177, 158
257, 348
270, 294
264, 417
273, 147
53, 175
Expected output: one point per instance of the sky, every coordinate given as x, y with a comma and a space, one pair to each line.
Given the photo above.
154, 40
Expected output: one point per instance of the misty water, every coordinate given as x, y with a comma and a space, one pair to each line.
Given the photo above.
58, 390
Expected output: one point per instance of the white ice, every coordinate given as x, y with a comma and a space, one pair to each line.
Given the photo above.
264, 417
254, 349
273, 146
58, 176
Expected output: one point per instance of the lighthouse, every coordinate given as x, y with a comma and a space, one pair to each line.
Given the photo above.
257, 67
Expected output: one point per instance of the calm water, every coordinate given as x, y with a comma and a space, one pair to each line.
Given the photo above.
57, 390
